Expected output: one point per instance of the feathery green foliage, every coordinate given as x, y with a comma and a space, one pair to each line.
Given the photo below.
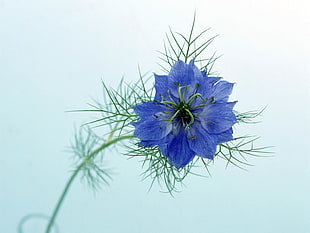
193, 47
158, 168
94, 173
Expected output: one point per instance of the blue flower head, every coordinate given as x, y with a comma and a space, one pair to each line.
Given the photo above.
189, 116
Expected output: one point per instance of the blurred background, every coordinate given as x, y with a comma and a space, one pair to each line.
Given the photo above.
53, 56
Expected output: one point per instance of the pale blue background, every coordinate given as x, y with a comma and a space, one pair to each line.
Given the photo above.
53, 55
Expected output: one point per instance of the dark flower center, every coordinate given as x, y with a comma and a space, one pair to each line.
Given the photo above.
184, 114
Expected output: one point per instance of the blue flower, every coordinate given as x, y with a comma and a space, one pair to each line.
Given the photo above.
189, 116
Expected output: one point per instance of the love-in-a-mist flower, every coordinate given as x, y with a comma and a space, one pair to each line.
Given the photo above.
189, 117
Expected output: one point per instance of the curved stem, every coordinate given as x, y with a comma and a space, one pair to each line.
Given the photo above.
67, 187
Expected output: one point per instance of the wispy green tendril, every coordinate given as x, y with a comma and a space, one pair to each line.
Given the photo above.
192, 47
84, 166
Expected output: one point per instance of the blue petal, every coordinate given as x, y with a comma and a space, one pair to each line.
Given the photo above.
224, 136
198, 75
148, 143
185, 74
148, 109
201, 142
217, 118
212, 80
204, 73
181, 73
157, 142
222, 90
206, 87
153, 129
161, 86
178, 151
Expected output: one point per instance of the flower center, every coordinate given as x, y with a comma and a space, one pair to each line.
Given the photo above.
182, 111
184, 114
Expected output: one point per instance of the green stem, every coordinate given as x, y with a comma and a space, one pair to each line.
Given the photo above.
67, 187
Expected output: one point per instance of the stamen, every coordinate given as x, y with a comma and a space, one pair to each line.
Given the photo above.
197, 95
192, 118
180, 93
169, 102
169, 96
199, 106
174, 115
212, 101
